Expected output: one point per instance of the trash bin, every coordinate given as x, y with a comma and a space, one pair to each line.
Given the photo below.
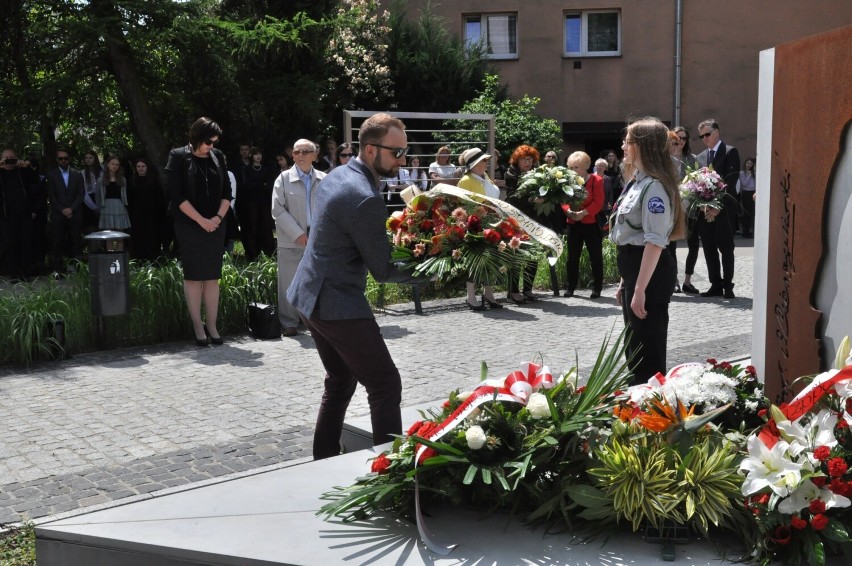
109, 277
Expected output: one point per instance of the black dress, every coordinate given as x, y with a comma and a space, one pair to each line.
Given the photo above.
203, 181
147, 208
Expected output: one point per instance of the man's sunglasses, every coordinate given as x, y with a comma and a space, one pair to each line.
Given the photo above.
397, 151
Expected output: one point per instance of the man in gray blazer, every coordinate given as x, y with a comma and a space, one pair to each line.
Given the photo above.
347, 238
293, 202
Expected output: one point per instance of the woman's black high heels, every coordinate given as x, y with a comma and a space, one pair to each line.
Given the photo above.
201, 342
479, 307
492, 304
215, 341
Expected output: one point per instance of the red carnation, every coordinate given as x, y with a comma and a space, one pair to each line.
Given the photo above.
837, 467
751, 370
798, 523
817, 506
428, 453
822, 453
841, 423
474, 224
381, 464
761, 413
412, 430
506, 229
711, 361
782, 535
819, 522
491, 236
819, 481
457, 232
426, 225
839, 487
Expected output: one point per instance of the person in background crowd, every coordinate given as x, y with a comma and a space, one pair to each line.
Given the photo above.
254, 207
415, 174
201, 194
327, 162
715, 226
344, 153
17, 185
583, 227
112, 197
65, 190
294, 196
686, 161
613, 171
92, 171
232, 226
38, 248
441, 168
746, 185
476, 180
648, 216
551, 159
523, 159
348, 229
245, 155
600, 171
283, 161
147, 207
499, 172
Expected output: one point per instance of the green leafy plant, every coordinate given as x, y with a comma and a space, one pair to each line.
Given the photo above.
17, 546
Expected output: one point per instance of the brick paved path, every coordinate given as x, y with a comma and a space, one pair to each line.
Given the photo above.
112, 425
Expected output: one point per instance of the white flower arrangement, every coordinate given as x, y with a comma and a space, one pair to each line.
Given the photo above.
538, 406
475, 437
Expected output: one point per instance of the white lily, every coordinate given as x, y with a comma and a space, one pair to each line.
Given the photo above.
844, 354
770, 468
819, 431
806, 493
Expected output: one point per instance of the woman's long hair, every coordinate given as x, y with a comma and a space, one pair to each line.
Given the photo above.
652, 142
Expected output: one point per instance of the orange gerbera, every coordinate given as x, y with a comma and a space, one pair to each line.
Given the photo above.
662, 416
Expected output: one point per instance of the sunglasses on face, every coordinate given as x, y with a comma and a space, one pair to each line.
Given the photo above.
62, 158
707, 135
397, 152
346, 155
303, 151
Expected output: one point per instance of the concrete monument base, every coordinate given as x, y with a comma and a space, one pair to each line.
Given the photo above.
269, 518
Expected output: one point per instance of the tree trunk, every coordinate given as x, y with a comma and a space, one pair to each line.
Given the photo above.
124, 69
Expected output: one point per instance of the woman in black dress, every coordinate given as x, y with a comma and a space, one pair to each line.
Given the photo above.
147, 208
200, 196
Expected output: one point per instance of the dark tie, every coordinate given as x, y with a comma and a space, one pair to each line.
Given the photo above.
711, 156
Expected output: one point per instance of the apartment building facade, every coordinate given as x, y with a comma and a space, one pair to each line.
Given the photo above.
597, 63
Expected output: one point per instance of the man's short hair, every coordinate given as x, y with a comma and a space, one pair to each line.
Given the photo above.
601, 161
709, 123
376, 127
308, 142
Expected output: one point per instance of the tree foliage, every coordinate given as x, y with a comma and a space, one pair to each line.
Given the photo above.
127, 77
516, 121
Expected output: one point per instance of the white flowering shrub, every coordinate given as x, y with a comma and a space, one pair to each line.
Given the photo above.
357, 53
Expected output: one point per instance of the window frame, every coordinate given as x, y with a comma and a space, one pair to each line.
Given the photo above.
584, 34
483, 33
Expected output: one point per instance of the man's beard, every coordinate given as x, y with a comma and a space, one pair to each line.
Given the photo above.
379, 167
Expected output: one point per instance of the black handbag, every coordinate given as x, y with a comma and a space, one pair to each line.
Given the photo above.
263, 321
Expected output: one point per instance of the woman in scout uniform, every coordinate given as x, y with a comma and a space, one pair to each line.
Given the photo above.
643, 225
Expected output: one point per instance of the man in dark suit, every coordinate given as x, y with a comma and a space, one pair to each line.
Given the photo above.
716, 226
65, 189
347, 238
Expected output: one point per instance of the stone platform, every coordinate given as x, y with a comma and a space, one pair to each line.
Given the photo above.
269, 518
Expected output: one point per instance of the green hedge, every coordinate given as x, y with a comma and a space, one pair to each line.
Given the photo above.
31, 313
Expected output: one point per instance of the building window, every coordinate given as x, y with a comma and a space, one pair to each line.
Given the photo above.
593, 34
496, 33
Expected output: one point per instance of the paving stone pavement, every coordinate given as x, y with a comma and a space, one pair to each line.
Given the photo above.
107, 426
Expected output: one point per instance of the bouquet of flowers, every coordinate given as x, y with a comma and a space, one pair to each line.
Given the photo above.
702, 187
708, 386
548, 188
513, 443
798, 482
442, 235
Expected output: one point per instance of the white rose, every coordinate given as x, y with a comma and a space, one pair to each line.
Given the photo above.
475, 437
538, 406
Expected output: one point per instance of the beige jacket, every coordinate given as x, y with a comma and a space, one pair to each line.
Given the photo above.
288, 205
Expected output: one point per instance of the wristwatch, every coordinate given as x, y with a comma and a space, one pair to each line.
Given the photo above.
220, 217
